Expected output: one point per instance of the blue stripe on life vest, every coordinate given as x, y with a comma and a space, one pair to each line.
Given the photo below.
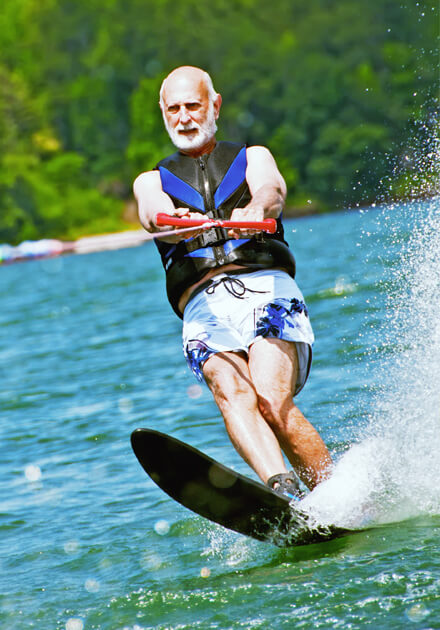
229, 246
176, 187
208, 252
203, 252
235, 176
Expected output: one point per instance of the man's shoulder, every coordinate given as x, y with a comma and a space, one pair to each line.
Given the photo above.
259, 155
146, 181
258, 150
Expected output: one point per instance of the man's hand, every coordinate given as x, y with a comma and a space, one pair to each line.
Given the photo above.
249, 213
185, 214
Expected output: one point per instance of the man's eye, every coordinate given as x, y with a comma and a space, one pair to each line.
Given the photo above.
173, 109
192, 106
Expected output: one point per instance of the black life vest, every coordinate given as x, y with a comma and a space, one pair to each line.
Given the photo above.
214, 184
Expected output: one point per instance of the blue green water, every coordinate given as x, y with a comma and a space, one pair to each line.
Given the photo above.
90, 350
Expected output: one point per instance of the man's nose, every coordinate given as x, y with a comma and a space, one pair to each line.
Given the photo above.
184, 115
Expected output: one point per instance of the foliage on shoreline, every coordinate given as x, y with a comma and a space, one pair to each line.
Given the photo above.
335, 89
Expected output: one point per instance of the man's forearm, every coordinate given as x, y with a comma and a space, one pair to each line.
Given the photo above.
270, 198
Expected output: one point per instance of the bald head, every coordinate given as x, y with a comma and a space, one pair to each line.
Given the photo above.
187, 76
190, 106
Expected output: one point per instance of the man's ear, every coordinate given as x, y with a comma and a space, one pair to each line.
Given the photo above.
217, 105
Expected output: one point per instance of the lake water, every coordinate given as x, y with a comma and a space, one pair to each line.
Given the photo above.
90, 350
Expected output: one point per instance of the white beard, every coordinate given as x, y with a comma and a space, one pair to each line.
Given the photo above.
205, 132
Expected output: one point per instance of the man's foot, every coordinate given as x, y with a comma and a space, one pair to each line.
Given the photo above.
286, 485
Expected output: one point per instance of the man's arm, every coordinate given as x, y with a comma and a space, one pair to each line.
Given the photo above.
267, 187
266, 184
151, 199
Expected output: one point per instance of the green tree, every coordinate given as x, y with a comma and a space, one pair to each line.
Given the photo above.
340, 91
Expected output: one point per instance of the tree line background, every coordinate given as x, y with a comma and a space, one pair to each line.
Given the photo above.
343, 92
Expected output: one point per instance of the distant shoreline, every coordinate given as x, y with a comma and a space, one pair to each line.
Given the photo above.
50, 248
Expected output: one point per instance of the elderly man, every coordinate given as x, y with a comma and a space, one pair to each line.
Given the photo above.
246, 330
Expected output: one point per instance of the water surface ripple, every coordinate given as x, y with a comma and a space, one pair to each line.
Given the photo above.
90, 350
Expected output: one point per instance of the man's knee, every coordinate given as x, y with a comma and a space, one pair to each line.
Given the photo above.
275, 407
228, 379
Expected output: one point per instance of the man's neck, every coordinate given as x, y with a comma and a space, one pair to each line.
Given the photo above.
207, 148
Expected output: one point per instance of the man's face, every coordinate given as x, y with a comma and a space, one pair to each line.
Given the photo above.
189, 114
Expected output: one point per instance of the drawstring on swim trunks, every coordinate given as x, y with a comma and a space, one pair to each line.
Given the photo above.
234, 286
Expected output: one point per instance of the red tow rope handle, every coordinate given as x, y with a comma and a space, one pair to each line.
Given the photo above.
267, 225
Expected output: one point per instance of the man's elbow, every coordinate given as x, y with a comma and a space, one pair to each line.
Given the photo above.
279, 195
282, 194
146, 220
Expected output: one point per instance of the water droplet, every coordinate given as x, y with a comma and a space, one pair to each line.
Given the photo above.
71, 546
194, 391
150, 560
91, 585
417, 612
32, 473
74, 624
162, 527
125, 405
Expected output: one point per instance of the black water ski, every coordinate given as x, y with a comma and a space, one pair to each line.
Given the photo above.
220, 494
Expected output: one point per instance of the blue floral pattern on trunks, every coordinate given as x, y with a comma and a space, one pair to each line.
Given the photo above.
196, 353
275, 317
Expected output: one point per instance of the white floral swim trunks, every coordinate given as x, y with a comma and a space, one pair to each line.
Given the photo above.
235, 310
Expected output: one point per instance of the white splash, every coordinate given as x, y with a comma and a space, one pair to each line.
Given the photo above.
393, 473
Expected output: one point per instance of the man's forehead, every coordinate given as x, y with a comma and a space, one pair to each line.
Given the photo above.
184, 90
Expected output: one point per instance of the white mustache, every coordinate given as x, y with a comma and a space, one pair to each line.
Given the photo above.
187, 127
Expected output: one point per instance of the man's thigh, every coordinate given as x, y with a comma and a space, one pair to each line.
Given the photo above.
273, 367
227, 375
